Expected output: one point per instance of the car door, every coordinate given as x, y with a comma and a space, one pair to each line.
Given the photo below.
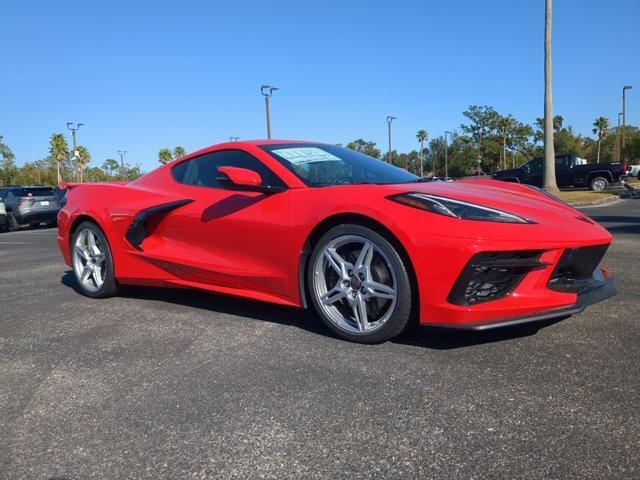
229, 238
564, 171
532, 172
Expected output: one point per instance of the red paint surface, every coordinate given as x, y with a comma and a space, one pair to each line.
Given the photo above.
249, 243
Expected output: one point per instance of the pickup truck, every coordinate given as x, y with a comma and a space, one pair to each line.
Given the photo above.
571, 171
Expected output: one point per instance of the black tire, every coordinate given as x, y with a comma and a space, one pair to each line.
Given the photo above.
401, 312
596, 184
12, 222
109, 288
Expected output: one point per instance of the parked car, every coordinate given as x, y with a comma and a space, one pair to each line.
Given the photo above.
571, 171
635, 171
3, 216
31, 205
368, 245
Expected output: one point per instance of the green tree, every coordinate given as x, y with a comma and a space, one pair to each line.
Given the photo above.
601, 129
83, 159
483, 128
59, 151
363, 146
422, 136
8, 168
111, 167
165, 155
179, 151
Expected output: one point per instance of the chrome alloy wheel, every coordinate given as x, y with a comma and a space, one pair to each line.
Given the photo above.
599, 184
355, 284
89, 260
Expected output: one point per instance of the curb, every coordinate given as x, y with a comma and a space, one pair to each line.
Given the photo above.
601, 201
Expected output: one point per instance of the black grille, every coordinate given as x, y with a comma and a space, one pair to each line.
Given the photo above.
492, 275
577, 269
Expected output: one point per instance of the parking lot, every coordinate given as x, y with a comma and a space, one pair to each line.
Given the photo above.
177, 384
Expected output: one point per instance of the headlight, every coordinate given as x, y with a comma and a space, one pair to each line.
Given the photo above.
456, 208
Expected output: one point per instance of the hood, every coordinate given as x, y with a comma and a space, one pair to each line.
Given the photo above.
509, 173
552, 215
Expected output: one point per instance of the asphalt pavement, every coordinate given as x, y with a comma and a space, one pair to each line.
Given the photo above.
177, 384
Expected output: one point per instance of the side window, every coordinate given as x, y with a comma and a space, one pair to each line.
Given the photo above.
536, 165
202, 171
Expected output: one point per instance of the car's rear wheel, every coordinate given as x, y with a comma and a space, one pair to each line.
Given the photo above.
359, 284
597, 184
92, 261
12, 222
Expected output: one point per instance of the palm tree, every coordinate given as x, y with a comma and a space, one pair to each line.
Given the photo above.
83, 159
601, 128
59, 150
505, 125
179, 151
164, 155
549, 153
422, 136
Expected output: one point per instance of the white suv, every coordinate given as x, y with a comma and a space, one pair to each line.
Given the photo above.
3, 215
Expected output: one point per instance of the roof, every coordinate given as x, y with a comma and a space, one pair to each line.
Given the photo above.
265, 141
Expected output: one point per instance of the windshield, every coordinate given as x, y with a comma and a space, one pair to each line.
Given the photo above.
33, 192
320, 165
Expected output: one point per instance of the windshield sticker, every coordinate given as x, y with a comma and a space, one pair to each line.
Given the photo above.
304, 155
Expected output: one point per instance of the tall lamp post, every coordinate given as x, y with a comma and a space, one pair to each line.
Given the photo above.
446, 154
267, 91
389, 120
122, 153
624, 119
74, 127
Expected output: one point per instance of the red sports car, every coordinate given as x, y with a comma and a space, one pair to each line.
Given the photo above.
369, 245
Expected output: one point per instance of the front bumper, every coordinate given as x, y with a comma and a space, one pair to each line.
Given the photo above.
595, 295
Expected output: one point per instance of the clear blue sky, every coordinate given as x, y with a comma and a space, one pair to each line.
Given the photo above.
143, 75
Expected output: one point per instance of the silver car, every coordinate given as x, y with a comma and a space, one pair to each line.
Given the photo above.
31, 205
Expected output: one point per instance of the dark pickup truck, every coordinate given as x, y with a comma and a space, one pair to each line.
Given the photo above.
570, 172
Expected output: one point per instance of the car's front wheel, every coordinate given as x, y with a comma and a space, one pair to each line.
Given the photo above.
92, 261
359, 284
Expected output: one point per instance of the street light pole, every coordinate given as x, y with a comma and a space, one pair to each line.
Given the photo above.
74, 127
121, 153
267, 91
389, 120
624, 119
446, 155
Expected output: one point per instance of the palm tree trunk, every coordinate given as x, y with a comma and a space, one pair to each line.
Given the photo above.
549, 153
504, 152
421, 159
598, 156
58, 170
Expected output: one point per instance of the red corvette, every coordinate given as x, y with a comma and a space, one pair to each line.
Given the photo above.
369, 245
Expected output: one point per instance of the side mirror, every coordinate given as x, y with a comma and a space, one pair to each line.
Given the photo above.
236, 178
